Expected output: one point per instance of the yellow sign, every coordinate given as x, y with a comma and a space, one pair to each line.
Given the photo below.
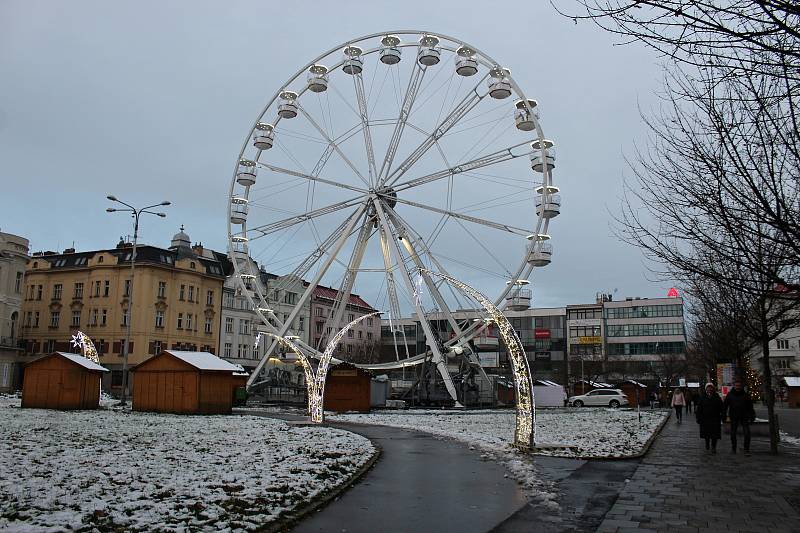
590, 340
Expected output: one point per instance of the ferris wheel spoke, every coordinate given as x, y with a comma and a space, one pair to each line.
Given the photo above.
468, 103
494, 158
312, 176
391, 291
476, 220
438, 358
414, 82
340, 242
333, 143
358, 81
342, 298
272, 227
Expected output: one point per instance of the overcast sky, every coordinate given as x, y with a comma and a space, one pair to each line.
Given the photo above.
152, 100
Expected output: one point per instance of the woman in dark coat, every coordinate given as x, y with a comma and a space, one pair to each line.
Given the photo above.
710, 412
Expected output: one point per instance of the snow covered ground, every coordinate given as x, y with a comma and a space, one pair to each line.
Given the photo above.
595, 433
120, 470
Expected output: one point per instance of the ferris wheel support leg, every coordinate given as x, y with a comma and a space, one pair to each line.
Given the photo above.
460, 334
310, 289
438, 358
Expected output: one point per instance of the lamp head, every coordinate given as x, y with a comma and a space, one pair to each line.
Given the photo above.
166, 202
162, 215
110, 209
112, 197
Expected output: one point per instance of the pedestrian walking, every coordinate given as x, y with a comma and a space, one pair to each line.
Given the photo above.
678, 403
709, 414
689, 402
738, 406
653, 400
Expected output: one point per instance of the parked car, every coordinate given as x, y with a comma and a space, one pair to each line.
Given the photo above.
601, 397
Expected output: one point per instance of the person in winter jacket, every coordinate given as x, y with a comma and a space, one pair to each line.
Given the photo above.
710, 413
739, 407
678, 402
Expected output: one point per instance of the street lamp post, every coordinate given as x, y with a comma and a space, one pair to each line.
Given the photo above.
135, 213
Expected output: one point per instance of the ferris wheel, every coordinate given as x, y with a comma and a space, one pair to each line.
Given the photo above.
387, 157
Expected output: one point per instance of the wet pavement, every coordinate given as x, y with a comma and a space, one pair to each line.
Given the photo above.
420, 483
679, 487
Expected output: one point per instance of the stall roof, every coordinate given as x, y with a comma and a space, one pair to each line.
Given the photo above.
596, 384
634, 382
792, 381
84, 362
203, 360
546, 383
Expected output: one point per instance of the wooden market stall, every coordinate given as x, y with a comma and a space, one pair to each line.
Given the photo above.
347, 388
583, 386
635, 391
62, 381
793, 386
184, 383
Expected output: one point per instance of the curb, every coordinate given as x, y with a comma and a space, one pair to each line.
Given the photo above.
286, 522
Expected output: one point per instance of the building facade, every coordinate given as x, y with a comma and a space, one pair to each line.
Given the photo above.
241, 323
177, 299
13, 260
362, 342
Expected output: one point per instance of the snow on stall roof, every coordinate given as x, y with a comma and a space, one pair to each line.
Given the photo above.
546, 383
203, 360
792, 381
634, 382
84, 362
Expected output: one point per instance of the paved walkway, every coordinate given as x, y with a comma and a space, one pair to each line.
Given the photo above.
788, 418
419, 484
679, 487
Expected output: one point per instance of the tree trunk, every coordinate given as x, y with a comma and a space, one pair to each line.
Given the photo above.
769, 394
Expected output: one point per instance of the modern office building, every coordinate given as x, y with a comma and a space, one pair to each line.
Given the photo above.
13, 259
177, 298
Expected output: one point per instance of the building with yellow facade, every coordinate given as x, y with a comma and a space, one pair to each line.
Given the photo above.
177, 296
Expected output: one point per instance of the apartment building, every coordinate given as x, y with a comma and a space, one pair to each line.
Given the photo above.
362, 341
177, 298
13, 258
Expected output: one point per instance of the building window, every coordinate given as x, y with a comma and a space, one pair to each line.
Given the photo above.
18, 283
227, 350
96, 292
351, 317
39, 292
93, 317
369, 321
162, 289
29, 319
180, 320
157, 347
318, 327
584, 331
191, 293
159, 319
349, 348
76, 319
210, 298
580, 314
78, 291
349, 333
36, 319
50, 346
125, 317
189, 317
245, 350
104, 317
360, 334
318, 312
642, 330
127, 290
228, 324
289, 298
101, 346
107, 287
116, 378
182, 294
244, 327
57, 291
301, 324
192, 266
782, 344
208, 325
369, 335
55, 316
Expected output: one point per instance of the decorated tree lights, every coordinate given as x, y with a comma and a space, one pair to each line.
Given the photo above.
525, 430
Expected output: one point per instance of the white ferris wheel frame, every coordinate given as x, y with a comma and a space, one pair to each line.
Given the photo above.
388, 232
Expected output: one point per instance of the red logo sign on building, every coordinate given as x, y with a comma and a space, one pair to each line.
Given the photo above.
673, 293
540, 333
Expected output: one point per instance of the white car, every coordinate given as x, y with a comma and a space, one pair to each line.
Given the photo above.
600, 397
